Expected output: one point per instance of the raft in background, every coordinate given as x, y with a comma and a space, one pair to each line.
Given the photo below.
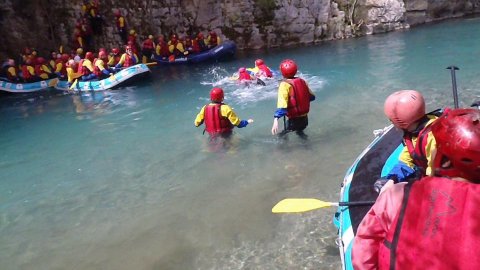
358, 186
122, 77
12, 87
225, 50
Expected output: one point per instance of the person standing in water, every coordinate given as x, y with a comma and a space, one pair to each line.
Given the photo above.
219, 118
294, 97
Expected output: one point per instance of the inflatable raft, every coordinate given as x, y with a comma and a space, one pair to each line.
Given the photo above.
27, 87
123, 76
224, 50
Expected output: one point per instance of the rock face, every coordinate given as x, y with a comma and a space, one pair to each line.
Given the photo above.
252, 24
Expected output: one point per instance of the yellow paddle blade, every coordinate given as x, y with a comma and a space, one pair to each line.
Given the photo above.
299, 205
74, 84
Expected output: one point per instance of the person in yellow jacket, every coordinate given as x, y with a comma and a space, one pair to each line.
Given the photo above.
175, 47
127, 59
406, 110
72, 73
219, 118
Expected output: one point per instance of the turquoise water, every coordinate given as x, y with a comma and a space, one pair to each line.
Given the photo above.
123, 179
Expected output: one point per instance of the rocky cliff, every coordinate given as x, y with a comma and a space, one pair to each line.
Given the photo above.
252, 24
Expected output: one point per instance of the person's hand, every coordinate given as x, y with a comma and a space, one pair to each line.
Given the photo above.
250, 121
382, 184
275, 126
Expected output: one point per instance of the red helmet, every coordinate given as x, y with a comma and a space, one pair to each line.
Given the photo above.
241, 70
115, 51
213, 34
102, 55
259, 62
102, 50
89, 55
457, 134
288, 68
200, 35
404, 108
117, 13
216, 95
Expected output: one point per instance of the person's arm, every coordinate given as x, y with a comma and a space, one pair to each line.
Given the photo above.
373, 229
121, 61
430, 148
200, 117
226, 111
403, 169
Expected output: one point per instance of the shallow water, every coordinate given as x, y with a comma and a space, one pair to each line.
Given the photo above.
123, 179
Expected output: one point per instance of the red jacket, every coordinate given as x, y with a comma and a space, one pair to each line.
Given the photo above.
438, 227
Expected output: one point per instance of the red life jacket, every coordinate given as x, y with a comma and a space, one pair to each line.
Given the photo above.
265, 70
437, 227
298, 98
129, 60
63, 71
214, 121
39, 70
148, 45
418, 152
244, 76
83, 69
26, 73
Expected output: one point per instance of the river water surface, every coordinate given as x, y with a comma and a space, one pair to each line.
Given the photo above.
123, 180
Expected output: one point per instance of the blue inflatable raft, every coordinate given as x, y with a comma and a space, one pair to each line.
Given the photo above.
27, 87
115, 80
224, 50
358, 186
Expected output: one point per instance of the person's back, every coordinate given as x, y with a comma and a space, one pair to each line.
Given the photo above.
218, 117
431, 222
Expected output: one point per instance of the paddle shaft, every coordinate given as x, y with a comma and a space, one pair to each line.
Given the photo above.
454, 85
359, 203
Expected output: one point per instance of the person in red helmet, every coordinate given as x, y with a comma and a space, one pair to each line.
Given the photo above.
114, 57
406, 111
294, 97
121, 25
431, 223
100, 68
162, 47
9, 71
148, 48
261, 70
28, 71
42, 69
128, 59
213, 40
243, 75
85, 67
219, 118
198, 43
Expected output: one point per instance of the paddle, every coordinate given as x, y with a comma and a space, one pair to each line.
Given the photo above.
454, 85
74, 84
298, 205
260, 82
